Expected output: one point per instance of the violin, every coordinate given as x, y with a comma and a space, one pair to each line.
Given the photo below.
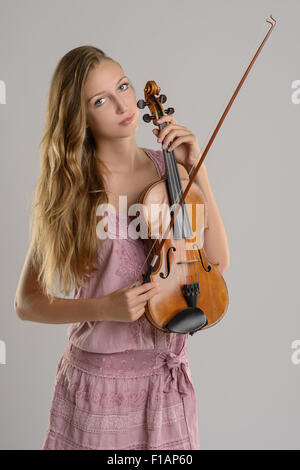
193, 294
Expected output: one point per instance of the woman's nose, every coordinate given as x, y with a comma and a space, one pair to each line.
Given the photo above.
121, 105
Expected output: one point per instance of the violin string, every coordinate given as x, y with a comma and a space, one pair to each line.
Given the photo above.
175, 182
230, 93
182, 277
173, 177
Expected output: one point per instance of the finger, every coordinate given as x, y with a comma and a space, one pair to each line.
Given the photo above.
166, 131
140, 312
172, 135
143, 298
136, 283
180, 140
167, 118
144, 287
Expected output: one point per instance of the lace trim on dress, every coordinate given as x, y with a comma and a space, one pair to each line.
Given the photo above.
112, 422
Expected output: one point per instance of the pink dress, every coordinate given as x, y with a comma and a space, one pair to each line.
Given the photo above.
122, 385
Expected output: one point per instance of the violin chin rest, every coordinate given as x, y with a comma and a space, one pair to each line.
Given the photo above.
189, 320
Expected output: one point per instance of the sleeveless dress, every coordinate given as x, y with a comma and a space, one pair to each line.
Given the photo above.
122, 385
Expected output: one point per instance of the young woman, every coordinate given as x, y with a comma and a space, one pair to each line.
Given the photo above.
120, 383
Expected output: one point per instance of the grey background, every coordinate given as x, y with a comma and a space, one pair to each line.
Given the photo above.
246, 384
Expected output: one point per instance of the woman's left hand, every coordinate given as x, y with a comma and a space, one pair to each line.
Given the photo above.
183, 140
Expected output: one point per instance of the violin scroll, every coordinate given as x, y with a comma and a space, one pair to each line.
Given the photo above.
155, 104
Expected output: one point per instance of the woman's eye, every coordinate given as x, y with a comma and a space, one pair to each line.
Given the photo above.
124, 84
103, 98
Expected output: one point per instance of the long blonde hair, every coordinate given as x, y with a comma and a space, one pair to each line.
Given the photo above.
69, 189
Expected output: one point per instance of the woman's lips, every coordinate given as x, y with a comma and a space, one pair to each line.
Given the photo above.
127, 121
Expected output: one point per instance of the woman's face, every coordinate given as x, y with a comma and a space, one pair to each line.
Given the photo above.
106, 110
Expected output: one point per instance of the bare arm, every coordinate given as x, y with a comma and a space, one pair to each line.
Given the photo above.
126, 304
37, 308
33, 305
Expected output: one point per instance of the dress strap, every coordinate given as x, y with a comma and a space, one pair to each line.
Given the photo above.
158, 158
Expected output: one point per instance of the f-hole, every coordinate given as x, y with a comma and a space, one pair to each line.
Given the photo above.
162, 275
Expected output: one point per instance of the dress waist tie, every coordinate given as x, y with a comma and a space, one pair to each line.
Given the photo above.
179, 379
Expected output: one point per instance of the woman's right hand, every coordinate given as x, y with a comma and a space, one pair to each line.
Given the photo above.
128, 303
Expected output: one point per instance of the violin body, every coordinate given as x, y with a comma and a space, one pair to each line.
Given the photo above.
190, 283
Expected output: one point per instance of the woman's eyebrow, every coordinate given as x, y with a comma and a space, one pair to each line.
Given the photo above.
100, 92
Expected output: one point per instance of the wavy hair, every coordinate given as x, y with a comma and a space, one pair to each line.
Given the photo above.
69, 189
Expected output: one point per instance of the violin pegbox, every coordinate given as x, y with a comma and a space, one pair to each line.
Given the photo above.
154, 103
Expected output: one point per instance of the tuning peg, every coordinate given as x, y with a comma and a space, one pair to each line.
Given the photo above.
141, 104
162, 98
148, 118
169, 110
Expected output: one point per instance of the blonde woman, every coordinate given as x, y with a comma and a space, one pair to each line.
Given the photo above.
120, 383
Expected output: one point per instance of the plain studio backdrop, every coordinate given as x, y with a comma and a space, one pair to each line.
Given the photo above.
247, 384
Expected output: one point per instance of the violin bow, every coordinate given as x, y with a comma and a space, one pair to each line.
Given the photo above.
146, 277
